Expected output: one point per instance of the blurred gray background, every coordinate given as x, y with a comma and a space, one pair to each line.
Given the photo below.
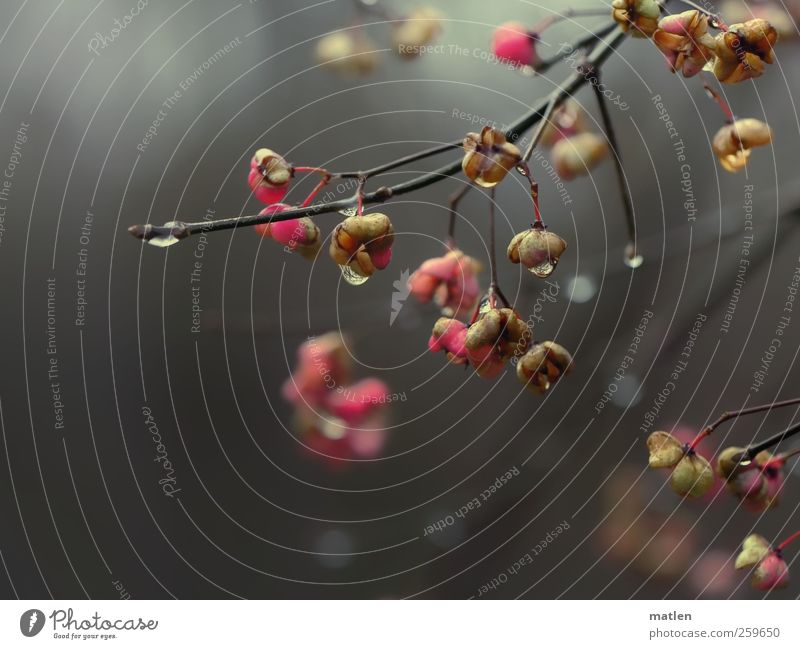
257, 516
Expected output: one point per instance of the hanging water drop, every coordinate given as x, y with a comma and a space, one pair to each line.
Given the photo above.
351, 277
349, 211
632, 258
545, 269
169, 234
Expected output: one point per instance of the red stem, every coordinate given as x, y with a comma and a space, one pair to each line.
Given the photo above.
724, 106
322, 183
794, 536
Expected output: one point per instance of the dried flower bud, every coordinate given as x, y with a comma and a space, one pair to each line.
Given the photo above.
297, 235
269, 176
449, 280
419, 29
685, 41
733, 142
567, 119
323, 364
577, 155
350, 54
769, 568
666, 450
640, 17
743, 50
450, 336
692, 476
543, 365
363, 243
537, 249
489, 157
514, 43
496, 336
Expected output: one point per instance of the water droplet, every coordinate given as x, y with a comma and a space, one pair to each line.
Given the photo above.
580, 289
634, 261
632, 258
352, 277
168, 237
527, 71
545, 269
349, 211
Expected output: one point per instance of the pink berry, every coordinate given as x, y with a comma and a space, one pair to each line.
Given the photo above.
264, 192
267, 229
513, 42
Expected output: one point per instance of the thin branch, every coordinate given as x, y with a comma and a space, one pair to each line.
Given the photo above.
178, 230
453, 202
755, 449
733, 414
593, 74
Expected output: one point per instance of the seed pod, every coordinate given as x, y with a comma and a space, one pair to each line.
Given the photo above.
347, 53
568, 119
363, 243
537, 249
543, 365
769, 569
685, 41
269, 176
733, 142
731, 461
577, 155
665, 450
638, 17
419, 29
513, 42
496, 336
489, 157
692, 476
450, 280
449, 336
743, 50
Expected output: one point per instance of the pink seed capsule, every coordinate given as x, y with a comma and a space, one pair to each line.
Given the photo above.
512, 42
268, 229
264, 192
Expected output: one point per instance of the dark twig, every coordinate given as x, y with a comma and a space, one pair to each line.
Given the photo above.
180, 230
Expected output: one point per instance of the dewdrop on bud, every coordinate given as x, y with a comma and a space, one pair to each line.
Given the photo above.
347, 53
514, 43
419, 29
361, 245
269, 176
743, 50
733, 142
577, 155
639, 17
543, 365
489, 157
731, 461
769, 569
537, 249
